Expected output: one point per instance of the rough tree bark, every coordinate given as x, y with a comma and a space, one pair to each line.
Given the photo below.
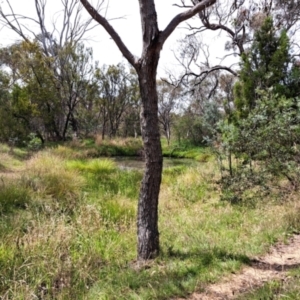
146, 67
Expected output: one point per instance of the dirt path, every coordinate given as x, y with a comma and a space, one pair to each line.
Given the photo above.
273, 265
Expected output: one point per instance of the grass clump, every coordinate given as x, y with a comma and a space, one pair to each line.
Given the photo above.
13, 197
192, 186
292, 217
121, 147
65, 152
9, 162
39, 264
118, 211
48, 176
173, 171
71, 151
95, 166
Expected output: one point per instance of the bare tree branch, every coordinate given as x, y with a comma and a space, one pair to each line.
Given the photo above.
10, 23
202, 75
111, 31
183, 17
69, 29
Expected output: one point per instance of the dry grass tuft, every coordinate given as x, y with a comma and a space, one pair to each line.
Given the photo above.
48, 175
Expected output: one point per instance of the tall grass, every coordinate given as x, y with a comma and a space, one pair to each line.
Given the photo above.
109, 187
119, 147
13, 196
48, 176
68, 230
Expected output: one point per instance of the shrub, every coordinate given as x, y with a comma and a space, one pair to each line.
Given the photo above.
34, 143
264, 146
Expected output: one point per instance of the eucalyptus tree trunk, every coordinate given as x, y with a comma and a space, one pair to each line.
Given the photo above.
146, 68
147, 219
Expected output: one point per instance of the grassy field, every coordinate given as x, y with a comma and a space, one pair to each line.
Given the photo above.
68, 228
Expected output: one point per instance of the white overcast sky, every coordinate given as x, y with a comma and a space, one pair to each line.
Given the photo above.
128, 28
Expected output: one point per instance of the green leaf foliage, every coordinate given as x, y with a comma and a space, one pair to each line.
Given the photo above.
267, 65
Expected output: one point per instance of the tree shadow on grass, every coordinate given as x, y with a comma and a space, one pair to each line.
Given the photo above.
177, 273
207, 256
261, 265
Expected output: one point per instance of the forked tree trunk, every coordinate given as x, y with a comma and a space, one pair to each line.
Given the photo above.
147, 219
146, 66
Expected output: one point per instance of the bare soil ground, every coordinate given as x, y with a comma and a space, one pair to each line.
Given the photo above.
274, 265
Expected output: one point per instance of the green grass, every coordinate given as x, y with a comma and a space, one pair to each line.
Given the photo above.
95, 166
68, 229
175, 150
103, 177
13, 197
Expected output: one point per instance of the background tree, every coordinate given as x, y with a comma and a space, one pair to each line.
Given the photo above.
54, 54
234, 22
68, 27
117, 94
73, 77
266, 65
263, 127
201, 110
70, 98
54, 86
9, 127
168, 98
24, 62
131, 122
